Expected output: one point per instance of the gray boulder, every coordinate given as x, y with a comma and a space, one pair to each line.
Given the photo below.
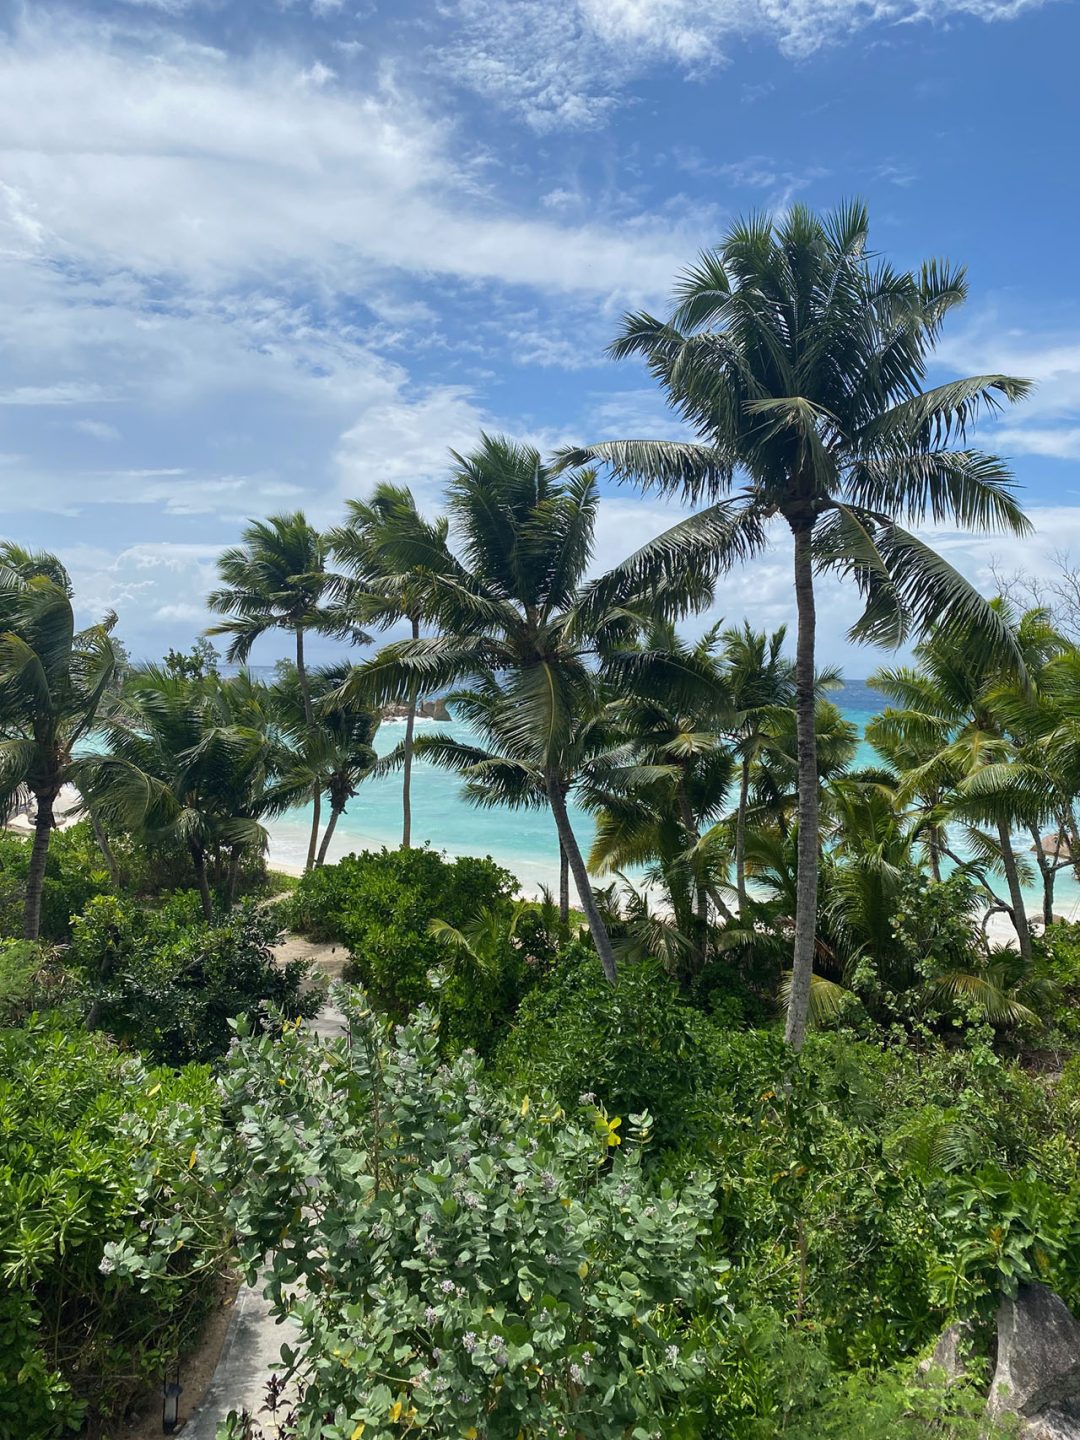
951, 1352
1038, 1365
1052, 1424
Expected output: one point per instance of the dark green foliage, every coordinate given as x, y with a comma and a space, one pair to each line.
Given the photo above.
168, 982
75, 1118
379, 904
637, 1047
75, 872
31, 978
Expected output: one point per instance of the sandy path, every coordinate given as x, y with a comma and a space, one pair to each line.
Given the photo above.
253, 1339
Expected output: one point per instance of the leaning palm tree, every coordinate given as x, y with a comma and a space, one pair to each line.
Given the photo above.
800, 362
510, 604
53, 680
278, 580
387, 547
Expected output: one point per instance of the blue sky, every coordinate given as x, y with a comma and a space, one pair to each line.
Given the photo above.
258, 255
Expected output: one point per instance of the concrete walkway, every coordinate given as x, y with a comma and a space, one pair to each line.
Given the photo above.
253, 1340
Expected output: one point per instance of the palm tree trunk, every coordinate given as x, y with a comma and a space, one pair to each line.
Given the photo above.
198, 860
700, 906
806, 885
235, 857
35, 877
1016, 894
564, 886
1048, 872
309, 719
740, 832
407, 757
335, 811
106, 849
568, 841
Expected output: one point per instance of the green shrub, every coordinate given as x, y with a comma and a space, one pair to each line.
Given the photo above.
168, 982
380, 904
32, 977
74, 873
78, 1121
456, 1266
636, 1046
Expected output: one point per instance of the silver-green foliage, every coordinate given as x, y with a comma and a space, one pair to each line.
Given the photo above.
454, 1264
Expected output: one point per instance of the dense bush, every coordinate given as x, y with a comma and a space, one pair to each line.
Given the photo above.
79, 1124
74, 874
380, 905
637, 1046
32, 977
168, 982
469, 1267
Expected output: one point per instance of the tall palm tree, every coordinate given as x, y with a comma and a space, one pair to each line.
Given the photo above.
278, 579
800, 362
53, 680
511, 606
388, 548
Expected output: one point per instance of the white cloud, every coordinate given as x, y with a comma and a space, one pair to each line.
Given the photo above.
177, 160
562, 63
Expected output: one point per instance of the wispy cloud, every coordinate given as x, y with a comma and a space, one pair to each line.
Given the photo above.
564, 63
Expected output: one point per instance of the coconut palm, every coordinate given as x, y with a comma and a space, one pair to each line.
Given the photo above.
53, 681
277, 579
955, 703
388, 548
337, 754
800, 362
186, 762
509, 605
502, 771
673, 779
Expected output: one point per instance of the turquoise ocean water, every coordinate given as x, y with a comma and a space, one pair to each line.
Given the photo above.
523, 841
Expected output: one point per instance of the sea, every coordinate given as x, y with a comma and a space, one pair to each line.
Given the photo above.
524, 841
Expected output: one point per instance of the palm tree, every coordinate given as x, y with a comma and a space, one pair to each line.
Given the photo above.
511, 605
760, 680
800, 362
186, 761
53, 680
674, 776
379, 534
277, 579
336, 755
949, 708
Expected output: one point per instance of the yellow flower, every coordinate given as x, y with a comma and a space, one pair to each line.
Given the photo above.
358, 1431
612, 1126
471, 1433
194, 1157
583, 1269
524, 1108
395, 1412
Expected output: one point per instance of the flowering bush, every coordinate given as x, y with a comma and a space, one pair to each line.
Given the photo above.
454, 1265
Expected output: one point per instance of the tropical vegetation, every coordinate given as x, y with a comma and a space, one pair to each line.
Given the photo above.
779, 1080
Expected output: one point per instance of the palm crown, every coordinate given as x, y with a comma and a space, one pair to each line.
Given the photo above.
800, 362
